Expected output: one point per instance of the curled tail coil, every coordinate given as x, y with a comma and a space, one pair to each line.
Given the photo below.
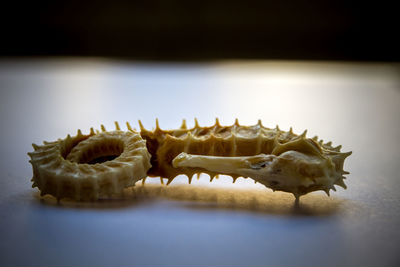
101, 164
63, 168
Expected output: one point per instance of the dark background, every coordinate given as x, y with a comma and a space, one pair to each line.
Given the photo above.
202, 30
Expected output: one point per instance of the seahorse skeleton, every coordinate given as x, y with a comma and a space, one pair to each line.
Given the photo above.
279, 160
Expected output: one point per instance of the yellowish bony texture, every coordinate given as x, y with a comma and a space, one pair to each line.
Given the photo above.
63, 169
280, 160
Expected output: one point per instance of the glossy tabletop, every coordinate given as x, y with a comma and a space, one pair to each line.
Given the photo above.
203, 224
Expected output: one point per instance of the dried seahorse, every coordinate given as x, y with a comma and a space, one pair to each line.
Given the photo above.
277, 159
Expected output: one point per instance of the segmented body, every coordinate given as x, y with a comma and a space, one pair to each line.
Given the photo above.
165, 145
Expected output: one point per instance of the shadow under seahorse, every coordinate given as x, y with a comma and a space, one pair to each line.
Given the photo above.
208, 198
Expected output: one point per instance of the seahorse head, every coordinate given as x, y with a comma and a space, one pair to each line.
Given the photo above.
297, 172
298, 167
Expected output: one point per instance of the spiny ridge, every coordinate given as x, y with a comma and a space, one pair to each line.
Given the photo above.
236, 140
61, 168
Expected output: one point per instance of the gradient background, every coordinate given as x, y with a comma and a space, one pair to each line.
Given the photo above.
331, 68
187, 30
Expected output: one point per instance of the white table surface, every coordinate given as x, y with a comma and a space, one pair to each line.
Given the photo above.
203, 224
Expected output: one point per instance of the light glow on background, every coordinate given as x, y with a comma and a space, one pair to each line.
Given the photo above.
355, 105
314, 96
